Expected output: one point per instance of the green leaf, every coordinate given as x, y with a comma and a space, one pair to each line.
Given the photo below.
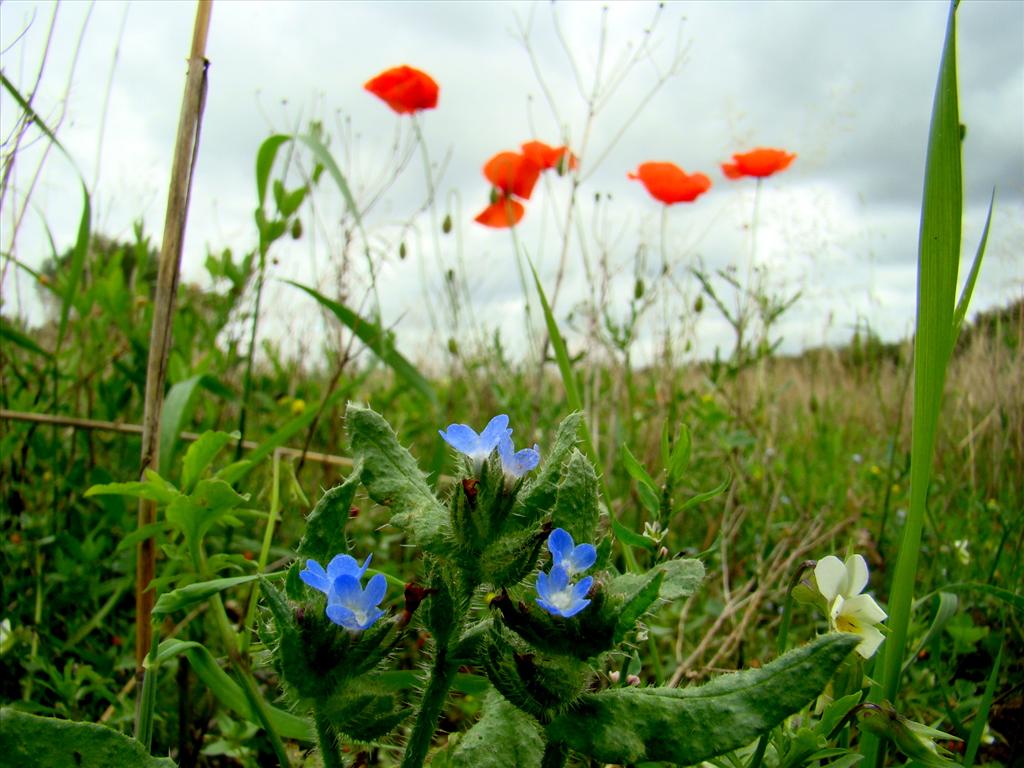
628, 725
576, 508
11, 334
938, 265
378, 340
196, 513
177, 412
637, 470
183, 597
394, 480
200, 454
972, 276
700, 498
682, 578
77, 266
230, 693
154, 488
538, 494
265, 162
981, 716
503, 738
631, 538
325, 527
30, 741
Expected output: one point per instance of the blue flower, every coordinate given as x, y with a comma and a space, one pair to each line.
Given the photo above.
340, 565
353, 607
560, 597
348, 604
514, 463
574, 559
477, 447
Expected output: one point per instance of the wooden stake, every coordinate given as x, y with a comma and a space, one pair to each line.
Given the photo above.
185, 147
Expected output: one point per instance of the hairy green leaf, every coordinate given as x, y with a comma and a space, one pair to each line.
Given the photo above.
628, 725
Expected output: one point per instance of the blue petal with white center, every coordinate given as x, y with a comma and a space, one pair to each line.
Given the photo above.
574, 559
477, 447
558, 596
354, 607
514, 463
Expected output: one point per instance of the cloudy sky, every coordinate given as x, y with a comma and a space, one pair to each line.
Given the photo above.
847, 86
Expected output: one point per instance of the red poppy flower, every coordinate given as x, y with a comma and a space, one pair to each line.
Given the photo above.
503, 212
547, 156
404, 89
670, 184
758, 163
512, 174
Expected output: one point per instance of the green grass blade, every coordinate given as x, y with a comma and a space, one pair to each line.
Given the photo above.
377, 339
265, 161
981, 718
972, 276
77, 266
938, 264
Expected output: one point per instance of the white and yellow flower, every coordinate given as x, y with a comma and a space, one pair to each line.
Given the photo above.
841, 584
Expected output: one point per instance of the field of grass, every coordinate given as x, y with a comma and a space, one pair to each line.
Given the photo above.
713, 493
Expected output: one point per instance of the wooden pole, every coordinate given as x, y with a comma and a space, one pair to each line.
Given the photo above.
185, 147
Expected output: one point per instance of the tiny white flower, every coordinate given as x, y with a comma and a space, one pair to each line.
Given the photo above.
841, 585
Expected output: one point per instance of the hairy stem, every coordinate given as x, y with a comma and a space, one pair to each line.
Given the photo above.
441, 677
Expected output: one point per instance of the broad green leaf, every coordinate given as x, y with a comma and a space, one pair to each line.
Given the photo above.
503, 738
539, 492
394, 480
378, 340
200, 454
576, 507
196, 513
30, 741
629, 725
682, 577
325, 527
230, 693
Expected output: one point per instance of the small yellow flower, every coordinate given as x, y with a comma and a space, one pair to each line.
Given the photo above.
298, 406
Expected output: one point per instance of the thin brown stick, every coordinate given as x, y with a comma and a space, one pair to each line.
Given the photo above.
136, 429
185, 147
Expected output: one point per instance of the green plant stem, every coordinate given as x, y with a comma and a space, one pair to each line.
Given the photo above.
441, 676
268, 537
37, 618
434, 227
247, 385
555, 755
328, 743
147, 700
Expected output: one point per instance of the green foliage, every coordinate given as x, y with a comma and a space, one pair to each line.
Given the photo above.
626, 725
393, 479
29, 741
503, 738
325, 527
576, 506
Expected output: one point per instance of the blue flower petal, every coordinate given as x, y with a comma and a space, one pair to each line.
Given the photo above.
583, 556
494, 430
375, 590
339, 614
461, 438
560, 545
346, 590
315, 576
575, 608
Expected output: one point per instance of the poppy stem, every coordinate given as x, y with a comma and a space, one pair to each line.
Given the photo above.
432, 206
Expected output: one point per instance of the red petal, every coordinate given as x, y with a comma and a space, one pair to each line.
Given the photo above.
668, 183
546, 156
512, 173
404, 89
759, 163
501, 214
